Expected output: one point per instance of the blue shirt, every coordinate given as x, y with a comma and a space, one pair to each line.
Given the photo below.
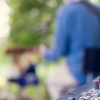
76, 27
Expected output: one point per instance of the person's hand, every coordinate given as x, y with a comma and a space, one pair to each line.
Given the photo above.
42, 50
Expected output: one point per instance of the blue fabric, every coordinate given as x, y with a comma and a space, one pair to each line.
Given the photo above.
28, 78
76, 27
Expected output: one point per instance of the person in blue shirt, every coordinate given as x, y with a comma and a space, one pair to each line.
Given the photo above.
76, 27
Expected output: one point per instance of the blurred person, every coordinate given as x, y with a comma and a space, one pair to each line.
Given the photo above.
23, 58
27, 72
76, 28
23, 71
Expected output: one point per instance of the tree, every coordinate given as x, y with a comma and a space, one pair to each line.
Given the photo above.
30, 20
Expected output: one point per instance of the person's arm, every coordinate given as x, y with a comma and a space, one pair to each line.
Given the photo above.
61, 33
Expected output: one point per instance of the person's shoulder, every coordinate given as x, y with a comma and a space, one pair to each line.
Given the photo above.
71, 7
64, 9
61, 9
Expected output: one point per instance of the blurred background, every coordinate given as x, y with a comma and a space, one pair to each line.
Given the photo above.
24, 25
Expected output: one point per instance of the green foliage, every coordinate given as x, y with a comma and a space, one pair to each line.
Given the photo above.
27, 18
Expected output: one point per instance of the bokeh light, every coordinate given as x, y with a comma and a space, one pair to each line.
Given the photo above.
4, 20
94, 1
